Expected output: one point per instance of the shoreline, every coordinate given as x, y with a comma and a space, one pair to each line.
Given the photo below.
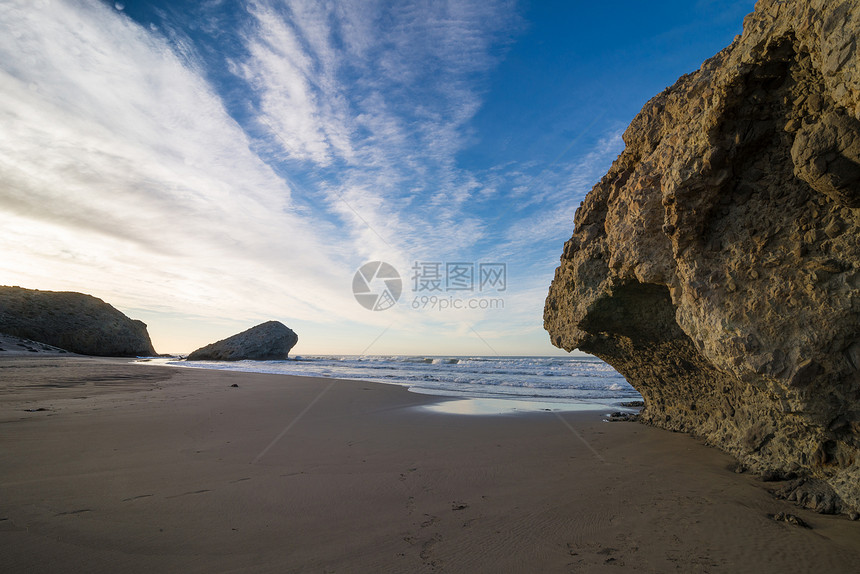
141, 468
476, 378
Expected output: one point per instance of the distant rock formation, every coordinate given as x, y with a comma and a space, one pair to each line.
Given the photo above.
270, 341
716, 264
72, 321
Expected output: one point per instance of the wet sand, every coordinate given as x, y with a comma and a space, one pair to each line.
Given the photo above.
135, 468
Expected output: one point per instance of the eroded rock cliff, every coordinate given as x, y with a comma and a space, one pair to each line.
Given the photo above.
716, 264
72, 321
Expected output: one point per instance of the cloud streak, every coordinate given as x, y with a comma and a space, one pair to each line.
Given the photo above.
383, 115
108, 132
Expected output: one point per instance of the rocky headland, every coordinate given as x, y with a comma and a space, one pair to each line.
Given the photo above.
74, 322
269, 341
716, 264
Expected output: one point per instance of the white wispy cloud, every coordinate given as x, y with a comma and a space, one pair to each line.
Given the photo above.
388, 108
548, 202
109, 134
291, 67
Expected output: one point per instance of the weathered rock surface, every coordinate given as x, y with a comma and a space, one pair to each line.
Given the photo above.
270, 341
716, 264
72, 321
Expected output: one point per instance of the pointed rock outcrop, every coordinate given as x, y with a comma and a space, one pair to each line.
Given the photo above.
270, 341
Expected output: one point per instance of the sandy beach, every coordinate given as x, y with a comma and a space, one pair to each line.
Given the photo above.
107, 466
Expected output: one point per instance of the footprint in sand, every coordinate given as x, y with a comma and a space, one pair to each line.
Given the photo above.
404, 475
594, 554
427, 552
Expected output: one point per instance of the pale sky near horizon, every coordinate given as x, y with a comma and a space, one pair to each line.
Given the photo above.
206, 166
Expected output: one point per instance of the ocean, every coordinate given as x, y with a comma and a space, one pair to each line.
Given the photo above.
560, 382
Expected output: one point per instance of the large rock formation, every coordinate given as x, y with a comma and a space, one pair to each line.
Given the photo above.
72, 321
270, 341
716, 264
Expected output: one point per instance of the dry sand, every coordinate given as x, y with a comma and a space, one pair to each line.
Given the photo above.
149, 469
11, 346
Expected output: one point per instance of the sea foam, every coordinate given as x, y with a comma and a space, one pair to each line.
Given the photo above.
533, 378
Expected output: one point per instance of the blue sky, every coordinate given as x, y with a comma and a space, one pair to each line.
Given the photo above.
206, 166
